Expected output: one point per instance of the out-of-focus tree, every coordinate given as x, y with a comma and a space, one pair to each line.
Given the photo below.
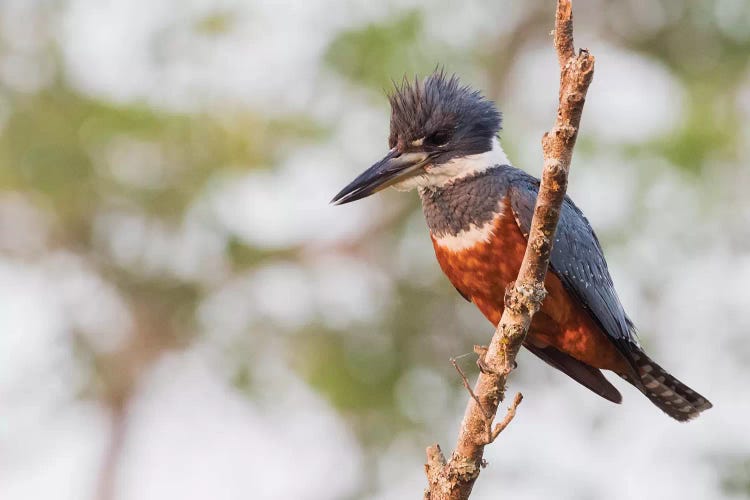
171, 229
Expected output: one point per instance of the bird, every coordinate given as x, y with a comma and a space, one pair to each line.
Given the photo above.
444, 142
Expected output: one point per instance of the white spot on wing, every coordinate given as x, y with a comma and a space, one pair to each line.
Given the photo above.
653, 384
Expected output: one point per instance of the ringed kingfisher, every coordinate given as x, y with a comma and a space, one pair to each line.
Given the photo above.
444, 142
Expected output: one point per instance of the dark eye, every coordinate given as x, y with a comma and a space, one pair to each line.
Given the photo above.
439, 138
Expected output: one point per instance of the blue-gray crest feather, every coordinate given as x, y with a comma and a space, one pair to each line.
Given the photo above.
441, 103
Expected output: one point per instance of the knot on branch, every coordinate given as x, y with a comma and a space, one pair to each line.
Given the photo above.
434, 468
463, 468
553, 165
575, 98
435, 457
534, 292
585, 61
565, 132
541, 245
524, 298
445, 478
511, 333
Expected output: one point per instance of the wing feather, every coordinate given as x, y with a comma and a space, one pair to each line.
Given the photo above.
577, 259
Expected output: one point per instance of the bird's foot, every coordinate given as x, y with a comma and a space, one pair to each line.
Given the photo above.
481, 351
484, 367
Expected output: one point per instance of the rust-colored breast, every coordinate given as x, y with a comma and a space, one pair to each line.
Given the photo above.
483, 271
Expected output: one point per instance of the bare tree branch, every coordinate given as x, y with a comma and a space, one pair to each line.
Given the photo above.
454, 479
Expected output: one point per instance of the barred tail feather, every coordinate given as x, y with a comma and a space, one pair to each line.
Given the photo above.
672, 396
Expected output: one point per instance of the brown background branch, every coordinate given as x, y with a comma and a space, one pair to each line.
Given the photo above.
455, 478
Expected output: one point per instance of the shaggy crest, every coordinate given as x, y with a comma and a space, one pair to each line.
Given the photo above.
440, 107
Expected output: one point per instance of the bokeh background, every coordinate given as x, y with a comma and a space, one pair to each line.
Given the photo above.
183, 315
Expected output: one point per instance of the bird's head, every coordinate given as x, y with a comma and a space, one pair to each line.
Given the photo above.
440, 131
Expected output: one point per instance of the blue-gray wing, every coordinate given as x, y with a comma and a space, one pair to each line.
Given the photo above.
576, 259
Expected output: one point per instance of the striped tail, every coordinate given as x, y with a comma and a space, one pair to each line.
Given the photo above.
672, 396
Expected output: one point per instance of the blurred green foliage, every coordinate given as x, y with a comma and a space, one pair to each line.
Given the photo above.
215, 24
57, 140
378, 54
59, 148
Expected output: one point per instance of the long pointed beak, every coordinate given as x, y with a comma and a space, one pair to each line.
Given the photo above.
393, 168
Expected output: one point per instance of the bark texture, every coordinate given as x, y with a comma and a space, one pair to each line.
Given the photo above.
454, 479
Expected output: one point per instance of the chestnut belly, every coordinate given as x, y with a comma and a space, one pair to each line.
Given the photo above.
483, 261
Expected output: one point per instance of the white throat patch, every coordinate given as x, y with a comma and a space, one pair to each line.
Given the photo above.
458, 168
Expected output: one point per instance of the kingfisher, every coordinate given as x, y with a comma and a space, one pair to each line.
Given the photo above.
444, 142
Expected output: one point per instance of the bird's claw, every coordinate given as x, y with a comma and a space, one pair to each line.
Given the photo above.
484, 367
481, 351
